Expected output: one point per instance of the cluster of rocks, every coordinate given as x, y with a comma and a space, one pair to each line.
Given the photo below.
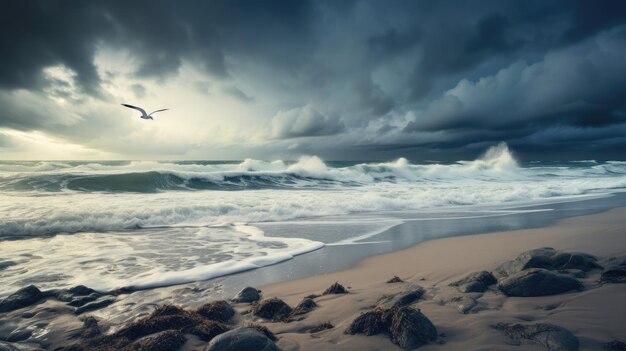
539, 272
80, 297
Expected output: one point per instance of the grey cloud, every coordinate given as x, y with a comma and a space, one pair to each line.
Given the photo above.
575, 86
238, 94
304, 122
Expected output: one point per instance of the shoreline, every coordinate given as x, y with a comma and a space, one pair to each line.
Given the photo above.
594, 315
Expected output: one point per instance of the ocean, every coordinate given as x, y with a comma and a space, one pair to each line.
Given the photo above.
143, 224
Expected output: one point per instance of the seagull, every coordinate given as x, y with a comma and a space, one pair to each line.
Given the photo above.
144, 115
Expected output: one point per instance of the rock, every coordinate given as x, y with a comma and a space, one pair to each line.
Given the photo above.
464, 304
247, 294
5, 346
77, 293
170, 340
615, 274
320, 327
410, 329
305, 306
94, 305
335, 289
19, 335
21, 298
550, 336
274, 309
241, 339
220, 311
90, 328
614, 345
83, 300
369, 323
538, 282
475, 282
550, 259
403, 298
262, 329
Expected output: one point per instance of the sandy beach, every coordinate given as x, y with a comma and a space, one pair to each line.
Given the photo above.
594, 313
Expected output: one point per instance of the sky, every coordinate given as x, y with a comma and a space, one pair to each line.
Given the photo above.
343, 80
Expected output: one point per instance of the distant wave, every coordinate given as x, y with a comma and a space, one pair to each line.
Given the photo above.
45, 198
308, 172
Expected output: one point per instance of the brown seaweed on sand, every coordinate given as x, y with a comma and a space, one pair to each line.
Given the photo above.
395, 279
220, 311
335, 289
274, 309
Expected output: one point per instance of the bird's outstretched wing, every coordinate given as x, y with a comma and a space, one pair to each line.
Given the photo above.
143, 112
165, 109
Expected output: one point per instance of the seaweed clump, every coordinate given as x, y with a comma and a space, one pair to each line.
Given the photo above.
335, 289
273, 309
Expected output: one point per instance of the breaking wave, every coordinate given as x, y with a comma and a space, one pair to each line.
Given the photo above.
44, 198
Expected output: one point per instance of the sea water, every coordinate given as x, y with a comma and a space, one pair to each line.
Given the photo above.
144, 224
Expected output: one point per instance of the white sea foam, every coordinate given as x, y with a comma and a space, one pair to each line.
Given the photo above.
143, 259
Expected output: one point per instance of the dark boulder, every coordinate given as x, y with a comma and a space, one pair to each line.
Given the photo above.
410, 329
67, 295
475, 282
615, 274
550, 259
550, 336
274, 309
403, 298
241, 339
247, 294
22, 298
263, 329
220, 311
538, 282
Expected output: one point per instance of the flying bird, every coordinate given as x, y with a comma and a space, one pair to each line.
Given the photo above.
144, 115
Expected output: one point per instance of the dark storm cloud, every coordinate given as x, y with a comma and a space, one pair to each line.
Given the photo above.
469, 72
